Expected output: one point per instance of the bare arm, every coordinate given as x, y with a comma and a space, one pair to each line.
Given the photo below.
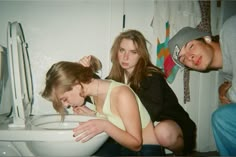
224, 87
125, 106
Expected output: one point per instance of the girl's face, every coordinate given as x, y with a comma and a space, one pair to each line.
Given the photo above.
128, 56
72, 98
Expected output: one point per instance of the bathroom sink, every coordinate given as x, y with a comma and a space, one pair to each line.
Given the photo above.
53, 121
61, 141
41, 135
7, 149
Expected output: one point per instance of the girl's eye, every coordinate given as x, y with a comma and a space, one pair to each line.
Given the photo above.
64, 100
191, 46
134, 52
121, 50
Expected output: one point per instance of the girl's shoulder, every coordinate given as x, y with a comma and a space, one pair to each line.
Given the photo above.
155, 75
119, 87
153, 79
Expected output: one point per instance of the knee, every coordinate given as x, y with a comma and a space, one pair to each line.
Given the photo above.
163, 135
167, 137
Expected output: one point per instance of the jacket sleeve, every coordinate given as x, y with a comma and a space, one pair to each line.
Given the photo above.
152, 93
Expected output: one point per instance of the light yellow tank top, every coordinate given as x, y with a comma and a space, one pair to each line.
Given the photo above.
116, 120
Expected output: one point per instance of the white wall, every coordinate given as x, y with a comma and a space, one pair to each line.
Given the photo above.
67, 30
61, 30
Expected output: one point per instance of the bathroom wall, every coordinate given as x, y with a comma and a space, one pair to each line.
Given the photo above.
61, 30
67, 30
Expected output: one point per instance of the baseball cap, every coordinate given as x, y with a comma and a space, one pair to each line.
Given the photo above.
181, 38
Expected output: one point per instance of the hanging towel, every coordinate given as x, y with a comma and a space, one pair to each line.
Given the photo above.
170, 17
179, 14
164, 59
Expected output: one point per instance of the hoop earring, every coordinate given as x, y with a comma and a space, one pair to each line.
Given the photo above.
207, 39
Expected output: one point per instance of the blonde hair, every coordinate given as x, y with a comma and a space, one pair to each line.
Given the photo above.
63, 75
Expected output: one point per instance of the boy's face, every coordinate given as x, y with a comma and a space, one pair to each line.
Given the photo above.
196, 55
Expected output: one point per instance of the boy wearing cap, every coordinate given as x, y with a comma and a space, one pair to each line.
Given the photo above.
196, 50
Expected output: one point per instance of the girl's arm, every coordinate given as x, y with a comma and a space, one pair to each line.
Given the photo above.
124, 105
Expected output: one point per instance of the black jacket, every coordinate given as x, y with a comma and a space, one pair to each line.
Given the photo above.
162, 104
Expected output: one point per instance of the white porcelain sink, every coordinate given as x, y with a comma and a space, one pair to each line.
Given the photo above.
61, 141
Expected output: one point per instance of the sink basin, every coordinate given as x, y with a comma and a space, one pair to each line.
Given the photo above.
7, 149
60, 140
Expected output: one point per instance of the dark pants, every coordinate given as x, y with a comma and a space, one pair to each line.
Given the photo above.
112, 148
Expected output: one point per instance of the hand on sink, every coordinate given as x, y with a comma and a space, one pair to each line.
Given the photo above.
87, 130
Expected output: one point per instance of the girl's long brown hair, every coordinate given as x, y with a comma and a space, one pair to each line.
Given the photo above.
144, 66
